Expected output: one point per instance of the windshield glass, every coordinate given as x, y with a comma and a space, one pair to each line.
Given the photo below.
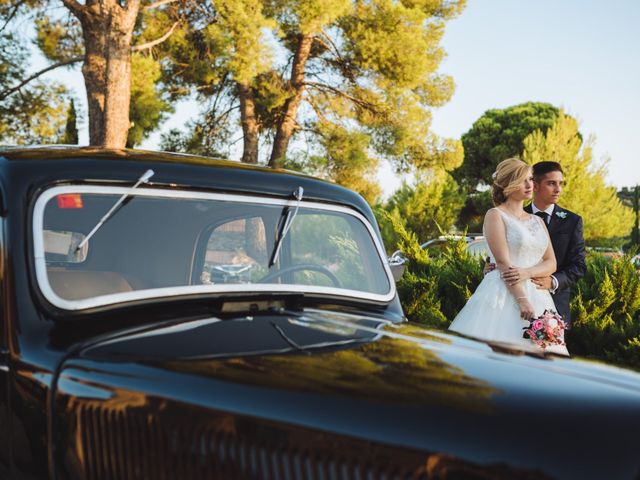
165, 242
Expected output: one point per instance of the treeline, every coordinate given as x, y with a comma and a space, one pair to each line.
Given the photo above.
457, 200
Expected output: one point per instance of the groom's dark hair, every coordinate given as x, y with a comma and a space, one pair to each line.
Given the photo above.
540, 169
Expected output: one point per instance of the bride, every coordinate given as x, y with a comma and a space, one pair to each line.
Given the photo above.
520, 247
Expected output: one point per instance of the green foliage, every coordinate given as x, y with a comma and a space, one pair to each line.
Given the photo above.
148, 107
35, 113
428, 209
196, 141
59, 39
606, 312
499, 134
362, 86
239, 28
346, 161
70, 136
471, 216
434, 289
585, 191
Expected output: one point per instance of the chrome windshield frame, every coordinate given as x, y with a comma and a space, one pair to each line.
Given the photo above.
251, 288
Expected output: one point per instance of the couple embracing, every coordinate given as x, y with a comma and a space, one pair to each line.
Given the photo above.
537, 251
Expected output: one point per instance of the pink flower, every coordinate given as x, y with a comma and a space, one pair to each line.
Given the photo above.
537, 325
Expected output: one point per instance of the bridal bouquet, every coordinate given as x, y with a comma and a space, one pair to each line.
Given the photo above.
546, 330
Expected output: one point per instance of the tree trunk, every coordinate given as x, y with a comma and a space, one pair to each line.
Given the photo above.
108, 31
287, 122
250, 128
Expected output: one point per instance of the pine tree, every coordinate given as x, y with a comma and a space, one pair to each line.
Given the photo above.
70, 136
585, 190
428, 209
298, 66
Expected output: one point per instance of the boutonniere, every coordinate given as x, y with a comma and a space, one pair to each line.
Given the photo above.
561, 214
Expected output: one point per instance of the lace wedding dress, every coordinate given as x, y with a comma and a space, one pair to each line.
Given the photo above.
492, 312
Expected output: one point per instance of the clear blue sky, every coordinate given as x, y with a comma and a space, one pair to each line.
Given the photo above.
581, 55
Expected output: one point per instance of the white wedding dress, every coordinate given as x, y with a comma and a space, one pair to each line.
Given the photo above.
492, 312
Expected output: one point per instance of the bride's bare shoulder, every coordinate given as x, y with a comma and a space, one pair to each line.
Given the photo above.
492, 213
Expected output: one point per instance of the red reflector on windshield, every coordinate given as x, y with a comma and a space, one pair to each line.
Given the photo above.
70, 200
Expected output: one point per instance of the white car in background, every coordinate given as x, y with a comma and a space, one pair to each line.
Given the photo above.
476, 246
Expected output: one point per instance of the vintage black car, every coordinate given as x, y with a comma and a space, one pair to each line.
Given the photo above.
175, 317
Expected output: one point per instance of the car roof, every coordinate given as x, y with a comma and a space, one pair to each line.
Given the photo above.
64, 161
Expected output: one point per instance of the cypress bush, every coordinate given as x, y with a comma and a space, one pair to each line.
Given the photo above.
434, 289
606, 312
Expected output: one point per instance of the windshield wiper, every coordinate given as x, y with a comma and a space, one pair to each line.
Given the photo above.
143, 179
288, 339
285, 226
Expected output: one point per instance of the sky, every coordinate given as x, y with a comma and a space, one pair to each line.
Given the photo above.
580, 55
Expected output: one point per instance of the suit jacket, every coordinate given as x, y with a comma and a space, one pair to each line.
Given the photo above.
565, 230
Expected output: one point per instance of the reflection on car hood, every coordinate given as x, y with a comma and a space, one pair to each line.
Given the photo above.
321, 352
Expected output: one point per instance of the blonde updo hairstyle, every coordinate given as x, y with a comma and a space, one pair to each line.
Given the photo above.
508, 177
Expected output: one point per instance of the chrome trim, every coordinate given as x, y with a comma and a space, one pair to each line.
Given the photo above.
74, 305
4, 354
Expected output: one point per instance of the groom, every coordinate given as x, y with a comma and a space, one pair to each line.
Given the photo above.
565, 230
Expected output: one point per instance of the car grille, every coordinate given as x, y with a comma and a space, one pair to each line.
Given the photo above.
135, 440
120, 444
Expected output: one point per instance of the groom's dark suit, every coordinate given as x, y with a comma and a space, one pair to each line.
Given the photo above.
565, 230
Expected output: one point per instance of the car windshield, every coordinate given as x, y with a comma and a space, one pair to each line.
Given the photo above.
167, 242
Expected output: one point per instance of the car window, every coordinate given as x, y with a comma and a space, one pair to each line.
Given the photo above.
236, 252
164, 242
327, 240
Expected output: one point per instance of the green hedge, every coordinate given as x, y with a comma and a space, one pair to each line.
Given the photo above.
606, 312
605, 305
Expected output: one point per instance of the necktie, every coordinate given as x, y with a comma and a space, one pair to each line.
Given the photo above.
544, 216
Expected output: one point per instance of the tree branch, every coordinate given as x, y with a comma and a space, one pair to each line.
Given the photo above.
357, 101
16, 7
157, 4
155, 42
4, 94
318, 111
76, 8
132, 8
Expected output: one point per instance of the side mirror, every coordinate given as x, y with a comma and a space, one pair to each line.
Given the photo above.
397, 263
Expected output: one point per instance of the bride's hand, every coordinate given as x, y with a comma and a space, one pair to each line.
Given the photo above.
515, 275
526, 309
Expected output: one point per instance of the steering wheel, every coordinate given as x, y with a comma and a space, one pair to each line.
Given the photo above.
302, 266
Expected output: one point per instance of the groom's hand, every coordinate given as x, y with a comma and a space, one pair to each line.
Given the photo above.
543, 283
515, 275
488, 266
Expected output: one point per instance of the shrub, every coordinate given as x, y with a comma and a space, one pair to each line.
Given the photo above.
606, 312
434, 289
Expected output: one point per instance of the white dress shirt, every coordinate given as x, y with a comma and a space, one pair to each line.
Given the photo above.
548, 211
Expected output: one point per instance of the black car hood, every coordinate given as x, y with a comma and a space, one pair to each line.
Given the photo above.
321, 352
390, 384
